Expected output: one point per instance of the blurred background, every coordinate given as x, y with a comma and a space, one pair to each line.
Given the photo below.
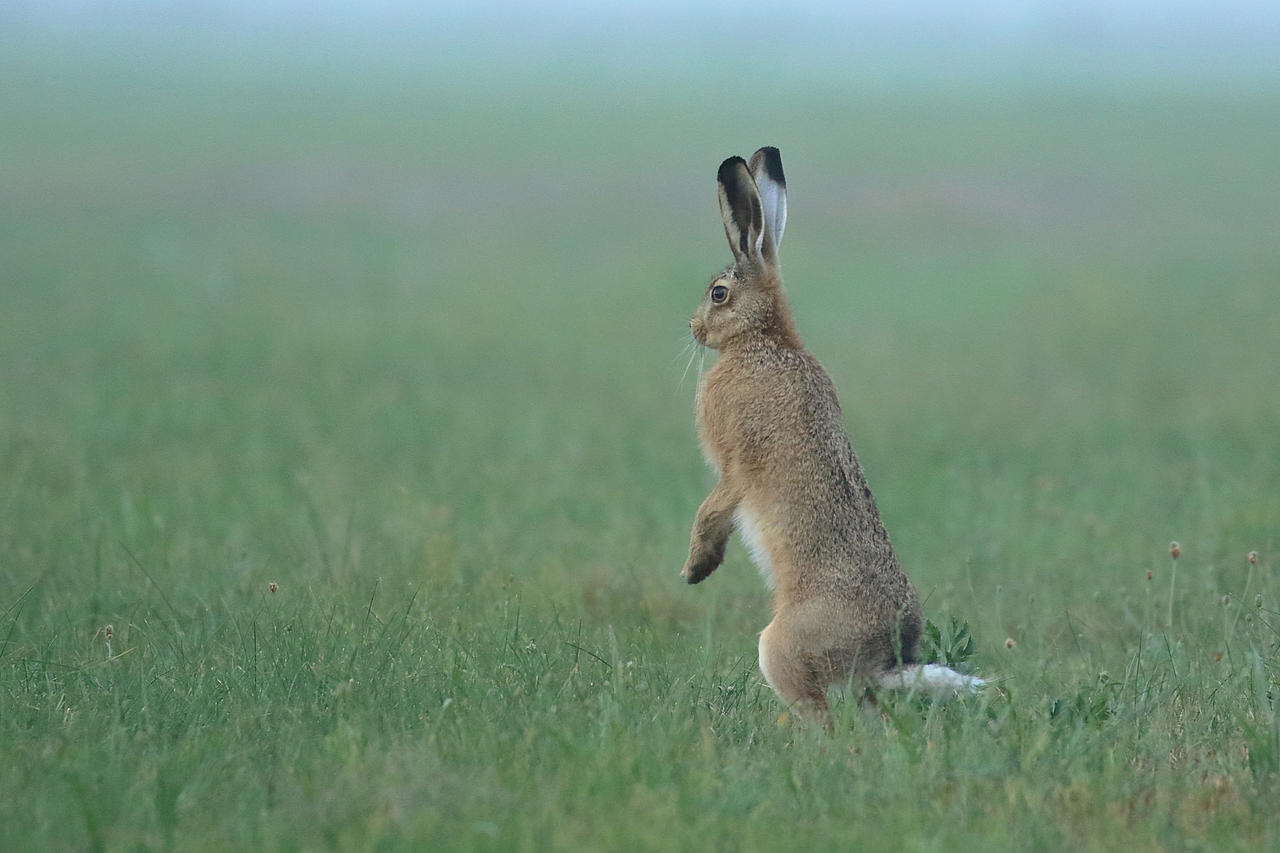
347, 456
391, 287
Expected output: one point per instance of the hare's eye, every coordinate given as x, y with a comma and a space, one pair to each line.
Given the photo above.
719, 293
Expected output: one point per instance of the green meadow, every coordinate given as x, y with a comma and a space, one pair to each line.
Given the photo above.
347, 457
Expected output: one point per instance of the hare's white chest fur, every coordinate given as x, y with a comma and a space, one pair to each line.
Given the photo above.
753, 536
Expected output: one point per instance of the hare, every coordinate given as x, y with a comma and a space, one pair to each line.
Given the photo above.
769, 423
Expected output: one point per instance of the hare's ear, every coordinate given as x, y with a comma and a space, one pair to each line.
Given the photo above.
741, 211
766, 169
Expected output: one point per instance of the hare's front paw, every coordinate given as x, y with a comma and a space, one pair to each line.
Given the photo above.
700, 564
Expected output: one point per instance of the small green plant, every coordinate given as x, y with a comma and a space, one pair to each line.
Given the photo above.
1263, 742
950, 644
1090, 705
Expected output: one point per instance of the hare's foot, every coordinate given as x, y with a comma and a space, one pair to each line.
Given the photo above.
701, 563
786, 671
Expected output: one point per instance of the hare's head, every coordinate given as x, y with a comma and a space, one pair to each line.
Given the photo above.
746, 300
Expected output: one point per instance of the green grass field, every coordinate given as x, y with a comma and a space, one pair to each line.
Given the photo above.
413, 352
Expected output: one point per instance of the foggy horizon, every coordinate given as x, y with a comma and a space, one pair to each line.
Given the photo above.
1180, 43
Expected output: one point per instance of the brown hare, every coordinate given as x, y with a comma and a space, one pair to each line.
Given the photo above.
771, 426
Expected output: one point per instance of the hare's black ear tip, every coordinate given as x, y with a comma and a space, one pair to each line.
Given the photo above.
729, 168
771, 159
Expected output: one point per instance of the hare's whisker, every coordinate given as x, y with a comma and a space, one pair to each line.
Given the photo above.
684, 350
684, 375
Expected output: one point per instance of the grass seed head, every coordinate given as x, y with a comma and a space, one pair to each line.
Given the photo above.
1175, 550
1253, 558
108, 631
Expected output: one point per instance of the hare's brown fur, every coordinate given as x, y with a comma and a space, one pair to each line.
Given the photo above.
771, 424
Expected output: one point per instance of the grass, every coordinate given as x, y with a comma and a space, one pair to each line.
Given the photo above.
412, 353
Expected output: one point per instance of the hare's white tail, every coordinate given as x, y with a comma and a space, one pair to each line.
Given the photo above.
932, 678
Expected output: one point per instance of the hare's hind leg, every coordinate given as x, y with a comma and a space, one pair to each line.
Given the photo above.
785, 669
